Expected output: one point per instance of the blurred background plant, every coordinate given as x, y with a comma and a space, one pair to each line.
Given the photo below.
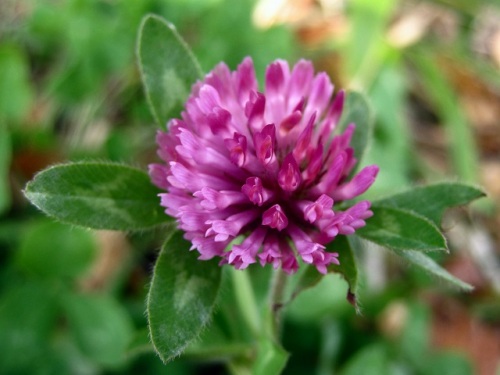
72, 301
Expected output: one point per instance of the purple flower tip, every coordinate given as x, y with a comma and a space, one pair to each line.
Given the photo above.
264, 166
289, 177
275, 218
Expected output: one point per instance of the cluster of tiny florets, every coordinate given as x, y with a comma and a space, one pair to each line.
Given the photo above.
263, 167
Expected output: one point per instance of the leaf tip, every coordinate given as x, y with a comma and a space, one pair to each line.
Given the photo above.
351, 298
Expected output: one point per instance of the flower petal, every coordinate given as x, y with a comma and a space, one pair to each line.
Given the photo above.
289, 177
275, 218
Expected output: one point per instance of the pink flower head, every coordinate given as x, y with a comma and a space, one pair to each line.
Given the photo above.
263, 167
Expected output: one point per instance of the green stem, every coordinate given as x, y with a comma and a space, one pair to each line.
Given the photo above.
276, 294
239, 369
270, 357
245, 299
233, 350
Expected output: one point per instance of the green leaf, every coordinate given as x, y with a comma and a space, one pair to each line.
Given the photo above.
402, 230
357, 111
5, 158
450, 362
214, 342
388, 96
326, 299
140, 344
56, 250
414, 337
308, 276
362, 49
97, 195
181, 297
442, 96
422, 261
345, 246
16, 93
101, 326
28, 314
168, 67
431, 201
65, 357
271, 358
371, 360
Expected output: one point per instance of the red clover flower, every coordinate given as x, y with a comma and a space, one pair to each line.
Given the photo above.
263, 166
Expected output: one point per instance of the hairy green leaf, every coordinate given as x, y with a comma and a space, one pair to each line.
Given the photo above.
168, 67
97, 195
403, 230
431, 201
181, 297
421, 260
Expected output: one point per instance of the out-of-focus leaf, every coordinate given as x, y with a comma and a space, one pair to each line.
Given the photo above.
101, 326
241, 36
414, 340
306, 277
271, 358
5, 158
327, 298
56, 250
357, 111
168, 67
421, 260
372, 360
67, 358
15, 91
449, 363
331, 345
91, 55
431, 201
369, 21
443, 97
27, 317
97, 195
215, 343
388, 95
140, 343
402, 230
181, 297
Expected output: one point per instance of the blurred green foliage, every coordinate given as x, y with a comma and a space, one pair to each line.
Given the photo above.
70, 89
